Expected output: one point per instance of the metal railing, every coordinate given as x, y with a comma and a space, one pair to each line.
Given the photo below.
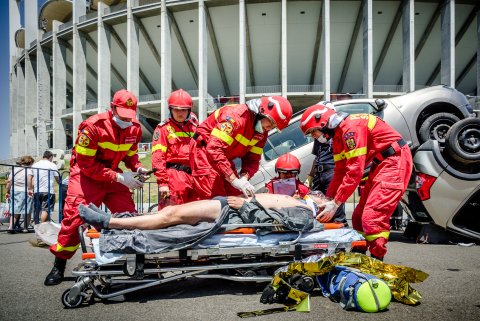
88, 16
147, 2
151, 97
46, 35
65, 25
90, 105
33, 43
304, 88
36, 201
67, 111
263, 89
388, 88
115, 8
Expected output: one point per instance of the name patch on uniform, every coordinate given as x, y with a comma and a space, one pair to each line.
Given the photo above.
226, 127
156, 134
83, 140
131, 140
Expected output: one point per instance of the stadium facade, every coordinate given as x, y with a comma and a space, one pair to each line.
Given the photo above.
67, 58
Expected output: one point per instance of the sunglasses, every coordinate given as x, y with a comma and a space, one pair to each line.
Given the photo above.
282, 171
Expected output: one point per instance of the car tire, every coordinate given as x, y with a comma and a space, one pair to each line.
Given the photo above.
436, 126
463, 141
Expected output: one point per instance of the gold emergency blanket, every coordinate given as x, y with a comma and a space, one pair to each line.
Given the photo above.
397, 277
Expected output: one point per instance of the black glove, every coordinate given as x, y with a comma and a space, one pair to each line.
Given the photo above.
268, 295
271, 295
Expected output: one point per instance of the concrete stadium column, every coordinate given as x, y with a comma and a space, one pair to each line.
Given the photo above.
79, 67
326, 49
43, 96
103, 61
22, 141
284, 49
14, 25
133, 56
166, 59
408, 31
367, 50
242, 51
202, 62
478, 53
447, 22
13, 145
31, 26
59, 90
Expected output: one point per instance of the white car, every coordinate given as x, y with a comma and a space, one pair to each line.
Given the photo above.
418, 116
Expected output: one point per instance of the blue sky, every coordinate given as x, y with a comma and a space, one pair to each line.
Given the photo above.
4, 79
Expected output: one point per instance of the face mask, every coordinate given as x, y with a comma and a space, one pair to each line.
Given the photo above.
122, 124
258, 126
322, 139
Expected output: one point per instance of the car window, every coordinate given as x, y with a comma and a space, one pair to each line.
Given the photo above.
356, 108
283, 142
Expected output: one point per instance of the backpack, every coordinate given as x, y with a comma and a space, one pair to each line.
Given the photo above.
355, 290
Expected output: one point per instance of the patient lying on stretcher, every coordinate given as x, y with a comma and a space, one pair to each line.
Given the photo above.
201, 211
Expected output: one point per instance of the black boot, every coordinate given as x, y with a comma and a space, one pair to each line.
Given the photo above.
56, 274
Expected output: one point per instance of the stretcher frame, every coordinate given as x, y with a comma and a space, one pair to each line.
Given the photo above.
140, 271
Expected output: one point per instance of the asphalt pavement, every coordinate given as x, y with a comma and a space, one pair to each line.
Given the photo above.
452, 291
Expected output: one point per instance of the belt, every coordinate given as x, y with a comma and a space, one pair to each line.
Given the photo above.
390, 151
180, 167
323, 168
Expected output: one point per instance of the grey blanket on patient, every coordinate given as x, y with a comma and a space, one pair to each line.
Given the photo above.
184, 236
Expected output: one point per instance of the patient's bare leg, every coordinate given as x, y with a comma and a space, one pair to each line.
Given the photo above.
189, 213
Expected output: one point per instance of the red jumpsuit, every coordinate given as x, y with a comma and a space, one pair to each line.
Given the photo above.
226, 134
359, 140
101, 145
171, 158
301, 188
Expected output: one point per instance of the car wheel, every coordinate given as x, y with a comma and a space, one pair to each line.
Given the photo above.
463, 141
436, 126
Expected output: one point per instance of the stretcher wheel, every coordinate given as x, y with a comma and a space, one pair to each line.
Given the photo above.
70, 303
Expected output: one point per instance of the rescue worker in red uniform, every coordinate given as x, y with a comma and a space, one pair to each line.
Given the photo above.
171, 150
103, 141
288, 167
359, 140
234, 131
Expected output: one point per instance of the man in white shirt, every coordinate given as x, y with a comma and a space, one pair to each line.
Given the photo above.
44, 174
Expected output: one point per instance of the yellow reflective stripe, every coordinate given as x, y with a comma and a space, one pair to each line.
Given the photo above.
131, 152
356, 152
242, 140
373, 237
253, 142
85, 151
217, 112
339, 157
115, 147
222, 136
180, 134
372, 120
159, 147
67, 248
256, 150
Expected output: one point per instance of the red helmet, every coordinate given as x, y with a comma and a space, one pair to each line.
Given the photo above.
278, 109
287, 162
180, 99
316, 117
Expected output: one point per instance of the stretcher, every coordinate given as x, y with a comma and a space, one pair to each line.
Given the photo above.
239, 255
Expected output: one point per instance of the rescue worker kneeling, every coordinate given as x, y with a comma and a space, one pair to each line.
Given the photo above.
103, 141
